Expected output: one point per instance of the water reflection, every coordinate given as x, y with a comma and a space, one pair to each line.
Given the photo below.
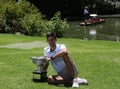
85, 34
93, 33
104, 31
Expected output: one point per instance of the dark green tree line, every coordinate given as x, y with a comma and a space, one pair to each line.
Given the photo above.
74, 8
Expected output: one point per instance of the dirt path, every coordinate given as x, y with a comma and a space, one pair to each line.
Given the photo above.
36, 44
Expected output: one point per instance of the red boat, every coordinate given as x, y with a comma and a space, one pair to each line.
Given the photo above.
92, 21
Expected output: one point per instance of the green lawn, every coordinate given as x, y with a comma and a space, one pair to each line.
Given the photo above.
97, 61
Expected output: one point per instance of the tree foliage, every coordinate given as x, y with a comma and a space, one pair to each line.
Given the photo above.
24, 17
58, 25
74, 8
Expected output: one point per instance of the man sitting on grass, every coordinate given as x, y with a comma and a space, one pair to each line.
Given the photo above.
62, 63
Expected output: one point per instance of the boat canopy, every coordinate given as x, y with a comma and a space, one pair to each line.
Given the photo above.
93, 15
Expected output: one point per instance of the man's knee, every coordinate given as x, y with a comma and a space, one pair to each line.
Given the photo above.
65, 54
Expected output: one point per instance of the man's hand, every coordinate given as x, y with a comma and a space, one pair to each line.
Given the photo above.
48, 59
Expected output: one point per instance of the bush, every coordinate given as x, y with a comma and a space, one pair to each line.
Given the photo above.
13, 12
10, 16
32, 24
59, 26
24, 17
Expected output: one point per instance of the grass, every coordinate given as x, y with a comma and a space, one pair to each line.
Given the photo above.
97, 61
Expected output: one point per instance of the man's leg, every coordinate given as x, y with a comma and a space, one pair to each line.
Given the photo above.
70, 66
63, 77
55, 79
71, 69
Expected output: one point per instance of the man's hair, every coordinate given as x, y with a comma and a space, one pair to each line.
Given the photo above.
50, 34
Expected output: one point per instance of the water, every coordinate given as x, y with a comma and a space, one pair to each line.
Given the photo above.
110, 30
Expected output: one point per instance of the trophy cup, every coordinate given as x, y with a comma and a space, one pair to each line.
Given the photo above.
40, 61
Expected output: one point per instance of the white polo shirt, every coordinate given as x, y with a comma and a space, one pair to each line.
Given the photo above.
85, 11
58, 63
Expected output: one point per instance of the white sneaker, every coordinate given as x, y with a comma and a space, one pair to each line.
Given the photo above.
75, 83
82, 81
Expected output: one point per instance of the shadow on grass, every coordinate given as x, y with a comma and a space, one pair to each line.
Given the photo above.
62, 85
59, 85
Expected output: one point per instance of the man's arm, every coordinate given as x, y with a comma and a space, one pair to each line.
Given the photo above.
60, 54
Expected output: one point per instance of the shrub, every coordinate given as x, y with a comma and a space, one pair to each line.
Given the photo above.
12, 12
24, 17
59, 26
33, 24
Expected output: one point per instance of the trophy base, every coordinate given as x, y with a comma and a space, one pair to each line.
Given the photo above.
39, 77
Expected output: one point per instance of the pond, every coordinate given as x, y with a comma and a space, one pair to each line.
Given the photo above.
110, 30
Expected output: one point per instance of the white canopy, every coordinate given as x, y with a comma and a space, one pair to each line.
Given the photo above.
93, 15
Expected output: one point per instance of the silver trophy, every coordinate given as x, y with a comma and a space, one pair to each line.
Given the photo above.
40, 61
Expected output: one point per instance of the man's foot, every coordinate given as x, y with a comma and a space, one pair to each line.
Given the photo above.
82, 81
75, 83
